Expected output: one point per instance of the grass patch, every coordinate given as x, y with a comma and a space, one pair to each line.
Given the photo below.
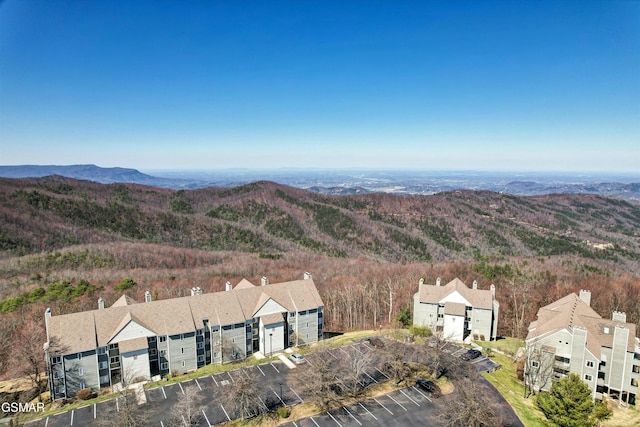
506, 382
507, 345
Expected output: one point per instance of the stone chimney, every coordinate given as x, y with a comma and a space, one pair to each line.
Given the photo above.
307, 275
475, 284
228, 286
100, 303
585, 296
264, 281
438, 281
493, 290
147, 296
619, 316
196, 291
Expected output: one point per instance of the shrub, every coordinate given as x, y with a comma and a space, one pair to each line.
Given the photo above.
85, 394
125, 284
284, 412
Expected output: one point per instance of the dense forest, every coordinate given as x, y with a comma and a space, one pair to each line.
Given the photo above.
64, 242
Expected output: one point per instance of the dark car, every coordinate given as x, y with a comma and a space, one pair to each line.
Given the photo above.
471, 354
375, 342
429, 386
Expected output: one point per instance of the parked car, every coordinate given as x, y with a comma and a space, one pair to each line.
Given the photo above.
297, 358
375, 342
429, 386
471, 354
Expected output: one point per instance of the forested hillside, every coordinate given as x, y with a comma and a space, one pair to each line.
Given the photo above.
65, 242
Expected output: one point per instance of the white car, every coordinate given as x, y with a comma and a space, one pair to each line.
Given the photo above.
297, 358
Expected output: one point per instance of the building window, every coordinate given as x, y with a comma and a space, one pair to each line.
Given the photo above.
113, 346
636, 369
564, 360
57, 375
152, 339
56, 359
634, 382
200, 331
114, 359
60, 389
535, 364
162, 338
81, 373
589, 364
164, 366
182, 350
103, 365
82, 385
79, 356
153, 352
181, 337
293, 314
102, 350
183, 363
588, 377
104, 379
163, 352
200, 345
200, 358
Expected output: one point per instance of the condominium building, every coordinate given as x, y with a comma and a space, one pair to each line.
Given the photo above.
569, 336
130, 341
456, 311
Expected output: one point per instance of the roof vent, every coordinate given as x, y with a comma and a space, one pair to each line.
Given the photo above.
264, 281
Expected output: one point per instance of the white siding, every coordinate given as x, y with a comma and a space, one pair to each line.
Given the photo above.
130, 331
135, 364
270, 307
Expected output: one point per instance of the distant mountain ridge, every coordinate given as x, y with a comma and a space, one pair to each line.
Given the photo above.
54, 212
347, 182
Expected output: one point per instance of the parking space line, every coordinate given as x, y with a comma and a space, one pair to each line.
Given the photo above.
163, 393
382, 373
334, 419
117, 405
229, 373
373, 379
342, 350
214, 380
225, 412
294, 423
46, 423
352, 415
387, 409
423, 395
161, 423
480, 359
274, 392
369, 412
72, 411
261, 371
332, 355
409, 397
297, 395
198, 384
274, 367
399, 404
314, 421
356, 348
206, 418
367, 345
180, 384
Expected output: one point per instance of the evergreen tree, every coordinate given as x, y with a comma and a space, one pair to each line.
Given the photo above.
569, 404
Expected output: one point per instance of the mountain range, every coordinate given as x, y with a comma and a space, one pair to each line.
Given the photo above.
356, 181
271, 219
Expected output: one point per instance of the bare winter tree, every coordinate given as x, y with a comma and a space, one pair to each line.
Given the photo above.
352, 371
317, 380
186, 411
245, 395
470, 407
129, 414
537, 368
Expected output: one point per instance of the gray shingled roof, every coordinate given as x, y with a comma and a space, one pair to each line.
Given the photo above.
569, 312
87, 330
479, 298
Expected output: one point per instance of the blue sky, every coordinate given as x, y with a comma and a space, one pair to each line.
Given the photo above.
504, 85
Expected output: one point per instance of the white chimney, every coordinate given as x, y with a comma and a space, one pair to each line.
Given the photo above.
228, 286
421, 282
585, 296
438, 281
100, 303
264, 281
196, 291
307, 275
619, 316
147, 296
475, 284
493, 290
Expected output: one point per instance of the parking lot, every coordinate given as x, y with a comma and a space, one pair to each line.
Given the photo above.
408, 406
